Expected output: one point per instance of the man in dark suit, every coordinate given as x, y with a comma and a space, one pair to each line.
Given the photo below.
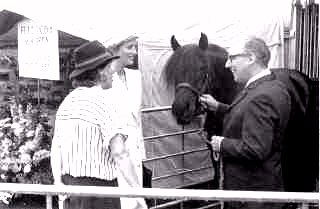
253, 125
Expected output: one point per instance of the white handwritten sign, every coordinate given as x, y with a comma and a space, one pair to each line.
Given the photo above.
38, 51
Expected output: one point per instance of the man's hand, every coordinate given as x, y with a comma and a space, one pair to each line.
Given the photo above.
207, 101
216, 142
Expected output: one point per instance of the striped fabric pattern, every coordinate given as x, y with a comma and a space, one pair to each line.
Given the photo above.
85, 122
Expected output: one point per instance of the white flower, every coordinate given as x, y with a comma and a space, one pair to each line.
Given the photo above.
28, 122
3, 176
39, 130
30, 133
23, 120
2, 154
27, 168
15, 125
4, 121
7, 125
31, 145
25, 158
15, 168
6, 142
19, 132
6, 197
41, 154
23, 149
5, 166
17, 129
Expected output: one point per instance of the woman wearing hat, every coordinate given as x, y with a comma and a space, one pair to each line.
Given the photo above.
88, 144
127, 82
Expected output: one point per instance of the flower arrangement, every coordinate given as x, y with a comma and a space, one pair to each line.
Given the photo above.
25, 129
25, 140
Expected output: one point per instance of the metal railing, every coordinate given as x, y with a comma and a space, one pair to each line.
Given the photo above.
184, 194
173, 134
176, 154
182, 153
178, 172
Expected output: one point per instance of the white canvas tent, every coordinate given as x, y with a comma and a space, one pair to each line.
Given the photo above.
224, 22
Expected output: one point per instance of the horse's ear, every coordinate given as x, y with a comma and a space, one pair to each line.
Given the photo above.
203, 42
174, 43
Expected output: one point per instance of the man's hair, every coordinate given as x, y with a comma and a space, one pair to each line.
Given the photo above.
259, 48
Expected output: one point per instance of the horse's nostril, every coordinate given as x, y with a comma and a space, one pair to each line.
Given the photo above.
180, 116
182, 121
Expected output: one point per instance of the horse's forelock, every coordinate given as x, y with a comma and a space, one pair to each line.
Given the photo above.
187, 64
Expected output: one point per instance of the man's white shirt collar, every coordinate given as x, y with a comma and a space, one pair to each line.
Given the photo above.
259, 75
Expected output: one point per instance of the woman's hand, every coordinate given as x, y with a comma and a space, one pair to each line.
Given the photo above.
120, 155
209, 102
117, 147
141, 204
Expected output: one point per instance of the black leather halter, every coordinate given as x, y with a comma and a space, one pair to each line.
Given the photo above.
200, 108
188, 86
191, 88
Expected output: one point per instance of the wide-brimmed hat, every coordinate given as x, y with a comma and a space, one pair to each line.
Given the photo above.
89, 56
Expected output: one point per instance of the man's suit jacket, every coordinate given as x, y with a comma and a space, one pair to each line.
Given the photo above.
253, 128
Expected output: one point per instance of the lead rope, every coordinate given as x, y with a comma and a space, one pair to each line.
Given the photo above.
218, 159
221, 174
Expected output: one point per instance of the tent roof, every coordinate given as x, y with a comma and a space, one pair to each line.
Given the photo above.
9, 32
104, 20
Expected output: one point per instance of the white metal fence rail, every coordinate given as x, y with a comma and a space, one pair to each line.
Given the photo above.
186, 194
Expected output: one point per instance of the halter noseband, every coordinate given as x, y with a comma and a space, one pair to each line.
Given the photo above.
194, 90
188, 86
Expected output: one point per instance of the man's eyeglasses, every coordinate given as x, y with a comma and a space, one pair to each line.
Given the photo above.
234, 56
238, 55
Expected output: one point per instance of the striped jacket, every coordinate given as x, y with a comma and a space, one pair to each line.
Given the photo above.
85, 122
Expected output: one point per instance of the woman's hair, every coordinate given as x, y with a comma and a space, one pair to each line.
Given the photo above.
89, 78
114, 48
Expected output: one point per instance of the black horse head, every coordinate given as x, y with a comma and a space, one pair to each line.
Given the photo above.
195, 69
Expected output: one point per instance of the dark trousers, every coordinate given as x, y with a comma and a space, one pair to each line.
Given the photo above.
77, 202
